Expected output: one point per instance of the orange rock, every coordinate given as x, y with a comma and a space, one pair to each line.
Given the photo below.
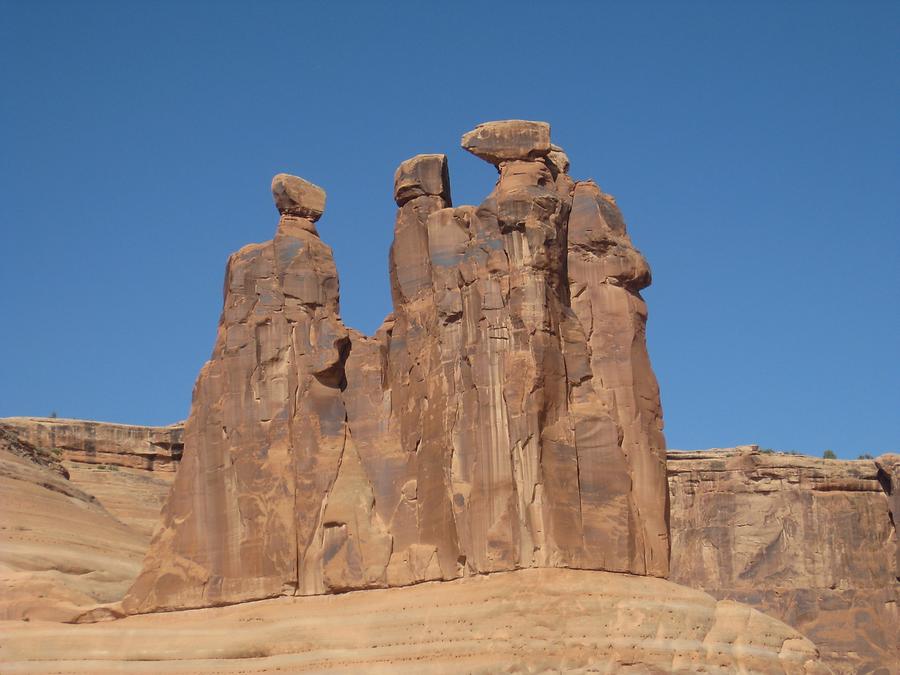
492, 423
297, 197
534, 621
807, 540
497, 142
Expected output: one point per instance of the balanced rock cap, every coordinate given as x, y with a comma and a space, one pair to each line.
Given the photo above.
297, 197
497, 142
422, 175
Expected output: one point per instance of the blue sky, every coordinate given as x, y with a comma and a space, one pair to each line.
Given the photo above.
754, 149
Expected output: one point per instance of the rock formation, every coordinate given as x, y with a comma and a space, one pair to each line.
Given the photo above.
129, 469
89, 442
830, 573
504, 416
61, 551
809, 541
527, 621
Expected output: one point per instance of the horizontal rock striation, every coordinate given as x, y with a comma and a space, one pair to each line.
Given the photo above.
89, 442
810, 541
128, 469
534, 621
504, 416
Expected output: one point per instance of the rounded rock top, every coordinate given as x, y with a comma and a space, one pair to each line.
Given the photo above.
420, 176
506, 140
295, 196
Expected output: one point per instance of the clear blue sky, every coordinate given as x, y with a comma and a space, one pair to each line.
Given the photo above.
754, 149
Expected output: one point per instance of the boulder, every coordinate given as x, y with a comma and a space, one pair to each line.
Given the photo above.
298, 197
420, 176
498, 142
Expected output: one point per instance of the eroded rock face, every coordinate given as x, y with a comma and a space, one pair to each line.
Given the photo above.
420, 176
103, 443
128, 468
809, 541
504, 416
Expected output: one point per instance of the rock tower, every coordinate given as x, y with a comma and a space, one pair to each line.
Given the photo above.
504, 416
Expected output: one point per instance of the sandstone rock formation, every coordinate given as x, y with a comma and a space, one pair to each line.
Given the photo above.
60, 555
129, 469
89, 442
738, 500
61, 552
504, 416
809, 541
536, 620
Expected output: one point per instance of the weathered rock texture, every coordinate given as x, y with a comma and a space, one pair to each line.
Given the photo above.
504, 416
88, 442
807, 540
527, 621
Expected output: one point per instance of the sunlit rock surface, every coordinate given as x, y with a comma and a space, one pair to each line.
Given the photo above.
810, 541
529, 621
505, 415
62, 552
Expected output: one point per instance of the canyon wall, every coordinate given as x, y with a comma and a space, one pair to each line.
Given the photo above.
810, 541
89, 442
504, 416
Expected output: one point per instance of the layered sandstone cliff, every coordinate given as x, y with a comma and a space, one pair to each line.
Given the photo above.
810, 541
128, 468
504, 416
106, 443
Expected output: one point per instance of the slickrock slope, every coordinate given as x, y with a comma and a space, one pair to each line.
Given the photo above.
536, 620
504, 416
61, 552
807, 540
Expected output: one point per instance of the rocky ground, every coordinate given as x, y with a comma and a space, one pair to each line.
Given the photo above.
523, 621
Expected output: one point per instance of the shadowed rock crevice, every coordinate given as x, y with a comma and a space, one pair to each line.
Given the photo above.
504, 416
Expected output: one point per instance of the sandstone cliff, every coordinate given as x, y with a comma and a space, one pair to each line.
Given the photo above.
129, 469
810, 541
504, 416
89, 442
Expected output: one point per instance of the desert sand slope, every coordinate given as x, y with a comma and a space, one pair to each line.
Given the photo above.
536, 620
61, 552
